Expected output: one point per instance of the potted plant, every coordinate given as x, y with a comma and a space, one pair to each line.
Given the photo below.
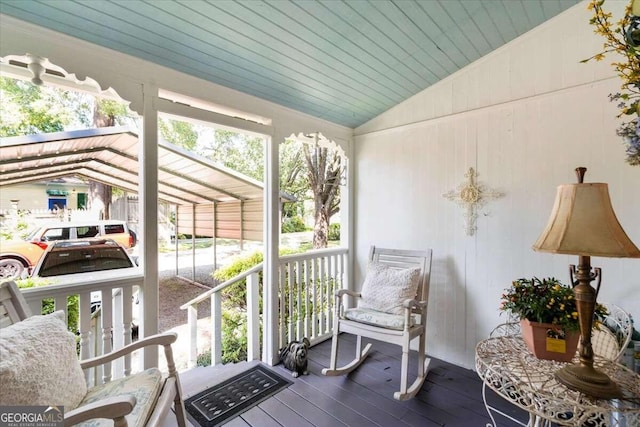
548, 316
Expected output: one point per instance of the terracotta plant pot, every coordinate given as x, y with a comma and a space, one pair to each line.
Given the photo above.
544, 347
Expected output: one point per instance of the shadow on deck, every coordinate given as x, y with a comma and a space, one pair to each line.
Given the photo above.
451, 396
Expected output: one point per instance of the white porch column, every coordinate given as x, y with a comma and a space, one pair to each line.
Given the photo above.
347, 213
271, 248
148, 200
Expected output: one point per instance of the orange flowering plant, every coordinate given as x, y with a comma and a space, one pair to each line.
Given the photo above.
545, 301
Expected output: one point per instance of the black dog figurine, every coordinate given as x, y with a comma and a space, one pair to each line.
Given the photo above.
294, 357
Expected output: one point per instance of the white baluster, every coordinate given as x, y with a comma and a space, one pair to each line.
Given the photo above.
216, 329
253, 317
282, 291
61, 304
330, 284
314, 302
127, 321
192, 319
118, 328
307, 305
107, 330
290, 314
300, 320
84, 302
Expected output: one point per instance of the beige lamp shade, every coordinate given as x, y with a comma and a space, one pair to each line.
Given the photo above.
583, 223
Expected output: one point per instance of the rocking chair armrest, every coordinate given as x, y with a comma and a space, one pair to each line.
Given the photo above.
413, 303
410, 304
110, 408
340, 292
165, 340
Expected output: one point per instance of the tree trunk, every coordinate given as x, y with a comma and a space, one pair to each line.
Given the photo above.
99, 199
99, 193
323, 170
320, 227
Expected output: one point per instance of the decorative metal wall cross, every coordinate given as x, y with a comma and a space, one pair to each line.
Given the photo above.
471, 196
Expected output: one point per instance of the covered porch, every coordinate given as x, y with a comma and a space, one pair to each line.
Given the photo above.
452, 395
522, 116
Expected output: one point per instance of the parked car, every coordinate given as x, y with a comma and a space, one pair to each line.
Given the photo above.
84, 261
22, 255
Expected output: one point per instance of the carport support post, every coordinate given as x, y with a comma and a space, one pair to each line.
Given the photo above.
241, 225
193, 242
215, 237
148, 200
271, 241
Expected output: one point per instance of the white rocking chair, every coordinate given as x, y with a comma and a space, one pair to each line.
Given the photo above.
394, 293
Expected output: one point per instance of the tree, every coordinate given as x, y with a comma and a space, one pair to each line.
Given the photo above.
237, 151
324, 171
182, 134
106, 113
29, 109
293, 177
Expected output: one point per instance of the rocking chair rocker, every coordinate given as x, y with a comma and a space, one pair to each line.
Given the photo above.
392, 307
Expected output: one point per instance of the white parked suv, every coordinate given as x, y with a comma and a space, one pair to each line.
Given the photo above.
18, 256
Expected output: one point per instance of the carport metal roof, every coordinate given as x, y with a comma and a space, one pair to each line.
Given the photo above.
110, 155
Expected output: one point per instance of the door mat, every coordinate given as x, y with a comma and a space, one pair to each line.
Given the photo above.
218, 404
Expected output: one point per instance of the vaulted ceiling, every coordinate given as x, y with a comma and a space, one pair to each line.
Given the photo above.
345, 61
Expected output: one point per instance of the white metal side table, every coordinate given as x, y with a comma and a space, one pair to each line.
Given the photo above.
506, 366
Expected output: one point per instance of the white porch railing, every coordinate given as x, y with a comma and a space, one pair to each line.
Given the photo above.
306, 286
109, 328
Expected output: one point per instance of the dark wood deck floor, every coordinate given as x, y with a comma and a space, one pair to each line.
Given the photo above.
451, 396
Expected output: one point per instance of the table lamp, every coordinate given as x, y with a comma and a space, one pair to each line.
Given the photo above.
583, 223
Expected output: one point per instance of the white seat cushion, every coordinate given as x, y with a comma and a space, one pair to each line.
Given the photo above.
144, 386
378, 318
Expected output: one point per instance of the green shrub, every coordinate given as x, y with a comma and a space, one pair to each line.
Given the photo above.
234, 339
21, 229
234, 336
293, 224
204, 359
236, 294
48, 304
334, 231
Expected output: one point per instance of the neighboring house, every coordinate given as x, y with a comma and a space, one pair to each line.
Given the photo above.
523, 116
61, 193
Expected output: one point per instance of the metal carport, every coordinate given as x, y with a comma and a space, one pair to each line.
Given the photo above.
212, 200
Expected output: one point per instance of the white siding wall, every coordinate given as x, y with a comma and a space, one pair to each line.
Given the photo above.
524, 116
34, 196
